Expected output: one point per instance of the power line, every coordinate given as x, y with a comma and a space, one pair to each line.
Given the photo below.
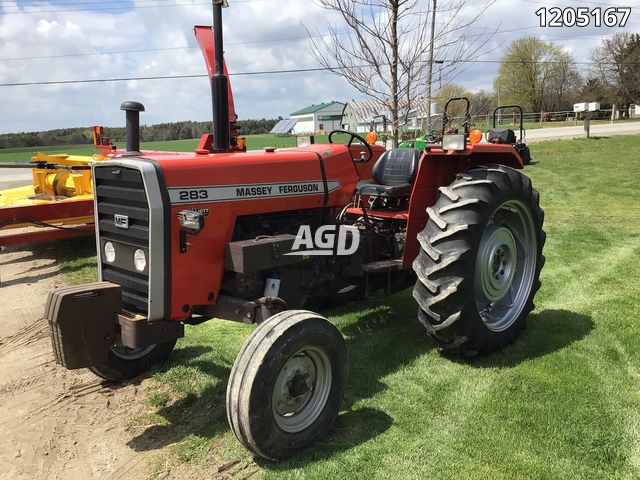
74, 4
146, 50
252, 42
67, 55
31, 12
12, 4
164, 77
129, 7
189, 47
100, 80
555, 4
275, 72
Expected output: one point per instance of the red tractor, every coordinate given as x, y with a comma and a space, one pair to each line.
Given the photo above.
256, 237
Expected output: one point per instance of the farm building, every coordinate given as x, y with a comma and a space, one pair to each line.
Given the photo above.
322, 117
361, 115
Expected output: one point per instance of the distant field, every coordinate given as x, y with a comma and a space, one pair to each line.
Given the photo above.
254, 142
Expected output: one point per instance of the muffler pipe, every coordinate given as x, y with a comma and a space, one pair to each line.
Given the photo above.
133, 110
219, 85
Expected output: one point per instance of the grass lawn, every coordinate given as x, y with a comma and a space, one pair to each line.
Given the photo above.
562, 402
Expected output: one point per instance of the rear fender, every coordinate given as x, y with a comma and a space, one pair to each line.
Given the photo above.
438, 168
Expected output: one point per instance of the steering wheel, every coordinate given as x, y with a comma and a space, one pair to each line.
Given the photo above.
354, 136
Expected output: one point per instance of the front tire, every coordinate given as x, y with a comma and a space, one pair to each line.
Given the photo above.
126, 363
287, 383
480, 259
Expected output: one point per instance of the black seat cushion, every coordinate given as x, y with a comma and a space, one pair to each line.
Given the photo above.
393, 174
501, 135
370, 187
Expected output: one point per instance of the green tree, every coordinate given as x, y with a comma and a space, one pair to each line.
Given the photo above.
447, 92
482, 102
595, 91
616, 64
537, 75
148, 133
564, 81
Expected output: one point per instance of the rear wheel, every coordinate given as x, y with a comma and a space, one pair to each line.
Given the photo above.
480, 260
287, 384
125, 363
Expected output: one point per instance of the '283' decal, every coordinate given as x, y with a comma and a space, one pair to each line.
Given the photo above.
193, 194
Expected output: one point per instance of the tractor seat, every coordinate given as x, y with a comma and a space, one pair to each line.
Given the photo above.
501, 135
393, 174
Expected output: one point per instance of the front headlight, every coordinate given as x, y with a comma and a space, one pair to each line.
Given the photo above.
109, 252
453, 142
140, 260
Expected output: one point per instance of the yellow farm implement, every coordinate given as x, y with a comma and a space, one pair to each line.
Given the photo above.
59, 201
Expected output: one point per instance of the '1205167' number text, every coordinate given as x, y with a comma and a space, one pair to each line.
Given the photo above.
583, 16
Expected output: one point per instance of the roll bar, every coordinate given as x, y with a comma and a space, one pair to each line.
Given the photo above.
502, 107
467, 114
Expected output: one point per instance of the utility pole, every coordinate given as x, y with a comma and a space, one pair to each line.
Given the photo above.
441, 63
430, 65
499, 111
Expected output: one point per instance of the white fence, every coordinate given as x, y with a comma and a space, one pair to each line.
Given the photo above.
568, 117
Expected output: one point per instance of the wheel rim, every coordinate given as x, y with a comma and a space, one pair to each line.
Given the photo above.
130, 354
301, 389
505, 265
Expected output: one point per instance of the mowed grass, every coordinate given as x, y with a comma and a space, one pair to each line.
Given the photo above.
254, 142
562, 402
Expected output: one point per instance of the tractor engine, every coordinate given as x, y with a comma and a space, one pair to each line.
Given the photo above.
298, 278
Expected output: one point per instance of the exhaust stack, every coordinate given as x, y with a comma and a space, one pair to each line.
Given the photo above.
133, 110
219, 85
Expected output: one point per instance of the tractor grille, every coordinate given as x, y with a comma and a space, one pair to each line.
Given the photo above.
120, 194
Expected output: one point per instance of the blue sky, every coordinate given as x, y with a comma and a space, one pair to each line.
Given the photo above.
259, 35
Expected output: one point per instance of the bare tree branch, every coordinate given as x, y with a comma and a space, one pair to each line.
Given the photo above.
383, 50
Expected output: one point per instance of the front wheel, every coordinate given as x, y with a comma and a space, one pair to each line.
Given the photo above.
125, 363
480, 259
286, 385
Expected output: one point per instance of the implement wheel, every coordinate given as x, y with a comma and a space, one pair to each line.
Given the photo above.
287, 384
480, 260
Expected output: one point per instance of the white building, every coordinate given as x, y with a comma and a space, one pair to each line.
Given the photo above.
323, 117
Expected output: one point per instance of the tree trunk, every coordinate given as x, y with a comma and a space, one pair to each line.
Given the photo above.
394, 73
430, 68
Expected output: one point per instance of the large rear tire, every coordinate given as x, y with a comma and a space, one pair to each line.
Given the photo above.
287, 383
480, 259
126, 363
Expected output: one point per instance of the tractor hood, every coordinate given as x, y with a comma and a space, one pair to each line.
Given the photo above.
313, 176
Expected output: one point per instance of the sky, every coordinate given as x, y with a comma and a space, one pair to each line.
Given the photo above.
75, 39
